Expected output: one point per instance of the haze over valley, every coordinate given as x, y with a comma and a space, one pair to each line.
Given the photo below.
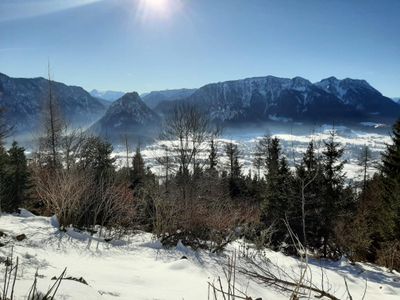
199, 149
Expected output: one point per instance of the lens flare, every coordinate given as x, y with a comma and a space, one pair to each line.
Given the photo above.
156, 5
149, 12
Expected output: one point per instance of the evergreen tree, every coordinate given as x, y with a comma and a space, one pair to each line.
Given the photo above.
235, 170
95, 156
334, 201
390, 169
279, 193
307, 207
371, 225
138, 173
15, 179
143, 184
213, 156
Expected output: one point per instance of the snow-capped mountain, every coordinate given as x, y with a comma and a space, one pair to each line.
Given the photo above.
397, 100
152, 99
107, 95
128, 115
23, 99
359, 95
274, 98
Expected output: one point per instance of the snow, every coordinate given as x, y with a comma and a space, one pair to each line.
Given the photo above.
139, 267
293, 146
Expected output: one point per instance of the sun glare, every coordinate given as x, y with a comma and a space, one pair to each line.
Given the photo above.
150, 12
156, 5
156, 8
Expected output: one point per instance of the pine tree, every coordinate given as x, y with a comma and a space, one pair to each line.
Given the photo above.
213, 156
95, 156
236, 183
16, 179
309, 183
279, 193
143, 186
138, 173
334, 201
390, 169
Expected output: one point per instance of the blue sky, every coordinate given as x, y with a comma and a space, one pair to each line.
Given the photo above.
146, 45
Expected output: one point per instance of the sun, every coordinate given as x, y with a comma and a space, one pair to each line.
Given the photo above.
156, 5
155, 11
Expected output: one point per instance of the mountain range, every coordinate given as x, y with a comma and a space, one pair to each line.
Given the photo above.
251, 100
272, 98
106, 95
23, 100
152, 99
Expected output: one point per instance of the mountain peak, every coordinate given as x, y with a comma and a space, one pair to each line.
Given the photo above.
128, 114
107, 95
130, 98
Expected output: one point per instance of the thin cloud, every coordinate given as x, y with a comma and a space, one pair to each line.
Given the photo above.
20, 9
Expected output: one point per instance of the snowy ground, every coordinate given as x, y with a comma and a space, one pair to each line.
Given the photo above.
294, 143
138, 267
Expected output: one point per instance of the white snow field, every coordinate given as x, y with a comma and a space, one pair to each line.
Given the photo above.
138, 267
293, 147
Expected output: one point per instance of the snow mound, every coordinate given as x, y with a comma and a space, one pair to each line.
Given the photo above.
137, 266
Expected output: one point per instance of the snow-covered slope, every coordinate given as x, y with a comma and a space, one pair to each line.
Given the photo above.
359, 95
138, 267
274, 98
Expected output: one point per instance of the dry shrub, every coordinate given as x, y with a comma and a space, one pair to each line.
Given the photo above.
356, 243
389, 255
196, 223
123, 207
64, 193
77, 199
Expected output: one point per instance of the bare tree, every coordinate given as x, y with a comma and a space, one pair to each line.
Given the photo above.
53, 125
365, 162
188, 128
166, 162
71, 143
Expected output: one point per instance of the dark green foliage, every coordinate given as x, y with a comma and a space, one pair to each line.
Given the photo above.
213, 156
138, 173
309, 189
14, 183
278, 198
236, 183
336, 199
143, 184
390, 169
95, 155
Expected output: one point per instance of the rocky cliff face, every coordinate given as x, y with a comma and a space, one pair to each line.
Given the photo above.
152, 99
130, 116
273, 98
24, 100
